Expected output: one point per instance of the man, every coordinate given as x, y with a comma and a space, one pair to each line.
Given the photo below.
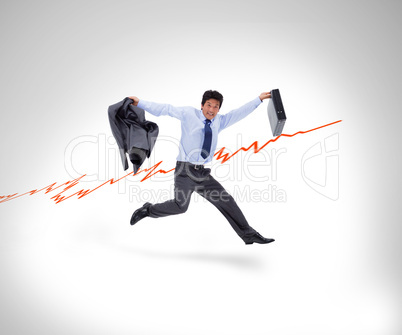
199, 137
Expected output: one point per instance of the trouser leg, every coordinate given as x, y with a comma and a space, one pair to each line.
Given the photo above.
183, 188
213, 191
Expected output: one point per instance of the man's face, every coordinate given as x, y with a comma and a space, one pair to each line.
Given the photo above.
210, 108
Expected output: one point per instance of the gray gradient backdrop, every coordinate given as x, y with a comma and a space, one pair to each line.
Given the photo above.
78, 267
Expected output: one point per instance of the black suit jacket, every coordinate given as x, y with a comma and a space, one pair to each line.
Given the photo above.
134, 135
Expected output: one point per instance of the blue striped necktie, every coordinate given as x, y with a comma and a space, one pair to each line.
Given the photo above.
206, 147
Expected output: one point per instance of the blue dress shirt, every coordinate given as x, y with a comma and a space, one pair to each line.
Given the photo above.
193, 123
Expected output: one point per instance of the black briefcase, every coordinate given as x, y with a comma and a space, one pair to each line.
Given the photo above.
276, 113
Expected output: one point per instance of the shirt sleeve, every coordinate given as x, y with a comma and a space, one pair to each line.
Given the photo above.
162, 109
240, 113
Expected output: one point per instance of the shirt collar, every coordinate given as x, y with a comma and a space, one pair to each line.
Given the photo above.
203, 118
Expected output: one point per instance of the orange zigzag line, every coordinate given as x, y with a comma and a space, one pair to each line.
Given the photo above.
226, 157
82, 193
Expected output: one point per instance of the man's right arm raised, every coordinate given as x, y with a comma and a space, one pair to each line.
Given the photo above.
158, 109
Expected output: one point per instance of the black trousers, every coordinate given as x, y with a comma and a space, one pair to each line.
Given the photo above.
189, 178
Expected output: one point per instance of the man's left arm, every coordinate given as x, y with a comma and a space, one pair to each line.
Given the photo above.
240, 113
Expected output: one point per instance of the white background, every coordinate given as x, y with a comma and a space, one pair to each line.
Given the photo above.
78, 267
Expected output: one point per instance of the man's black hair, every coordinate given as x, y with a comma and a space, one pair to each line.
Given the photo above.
212, 95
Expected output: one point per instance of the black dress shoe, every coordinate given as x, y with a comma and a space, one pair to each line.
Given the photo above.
258, 238
140, 213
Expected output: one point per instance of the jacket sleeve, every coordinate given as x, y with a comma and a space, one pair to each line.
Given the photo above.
118, 130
